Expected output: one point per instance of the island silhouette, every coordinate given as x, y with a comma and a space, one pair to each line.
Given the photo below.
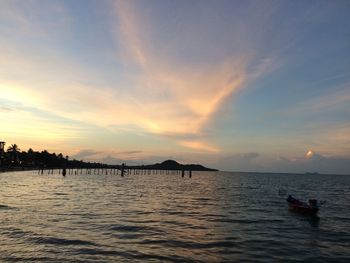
173, 165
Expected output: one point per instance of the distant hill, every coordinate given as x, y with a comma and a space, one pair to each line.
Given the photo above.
173, 165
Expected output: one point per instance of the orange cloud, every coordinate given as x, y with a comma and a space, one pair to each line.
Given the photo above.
200, 146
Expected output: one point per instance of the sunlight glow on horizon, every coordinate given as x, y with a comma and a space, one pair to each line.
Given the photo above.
309, 154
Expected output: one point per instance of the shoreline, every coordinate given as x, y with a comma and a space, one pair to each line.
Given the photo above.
18, 169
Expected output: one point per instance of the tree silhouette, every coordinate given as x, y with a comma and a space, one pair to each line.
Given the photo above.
13, 150
15, 158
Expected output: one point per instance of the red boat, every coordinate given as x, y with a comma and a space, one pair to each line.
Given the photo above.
301, 207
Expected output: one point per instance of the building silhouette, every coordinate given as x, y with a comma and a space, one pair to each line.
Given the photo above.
2, 151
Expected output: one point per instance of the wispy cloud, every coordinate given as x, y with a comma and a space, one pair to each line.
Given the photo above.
27, 18
330, 100
200, 146
5, 109
112, 156
176, 101
85, 154
239, 162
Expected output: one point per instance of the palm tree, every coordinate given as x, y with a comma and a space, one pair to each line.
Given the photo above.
13, 150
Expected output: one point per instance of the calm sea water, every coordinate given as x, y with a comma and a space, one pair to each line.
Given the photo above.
211, 217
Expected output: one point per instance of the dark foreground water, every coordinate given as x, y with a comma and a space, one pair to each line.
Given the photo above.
212, 217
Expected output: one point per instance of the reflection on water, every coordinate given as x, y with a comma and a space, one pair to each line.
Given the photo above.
314, 220
210, 217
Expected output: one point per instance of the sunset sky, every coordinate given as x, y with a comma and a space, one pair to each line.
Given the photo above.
235, 85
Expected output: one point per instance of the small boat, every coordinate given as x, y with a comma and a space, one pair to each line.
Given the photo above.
301, 207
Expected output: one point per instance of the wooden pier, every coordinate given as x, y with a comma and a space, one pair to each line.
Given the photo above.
123, 170
168, 167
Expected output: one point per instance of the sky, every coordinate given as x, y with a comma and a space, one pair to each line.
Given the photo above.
235, 85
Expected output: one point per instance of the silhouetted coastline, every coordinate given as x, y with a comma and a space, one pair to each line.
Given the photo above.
16, 160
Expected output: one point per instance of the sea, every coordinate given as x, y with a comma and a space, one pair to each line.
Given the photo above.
211, 217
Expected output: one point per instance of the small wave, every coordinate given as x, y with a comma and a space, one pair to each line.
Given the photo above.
142, 221
39, 239
190, 244
130, 236
56, 198
184, 225
6, 207
259, 210
170, 212
61, 241
157, 257
60, 193
341, 218
122, 228
247, 221
97, 251
13, 258
202, 199
143, 212
134, 229
130, 254
260, 243
13, 232
214, 215
336, 236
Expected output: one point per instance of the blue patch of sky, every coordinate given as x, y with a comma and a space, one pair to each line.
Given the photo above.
191, 32
317, 56
91, 38
92, 42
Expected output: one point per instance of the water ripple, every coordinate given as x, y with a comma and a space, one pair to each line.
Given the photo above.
212, 217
